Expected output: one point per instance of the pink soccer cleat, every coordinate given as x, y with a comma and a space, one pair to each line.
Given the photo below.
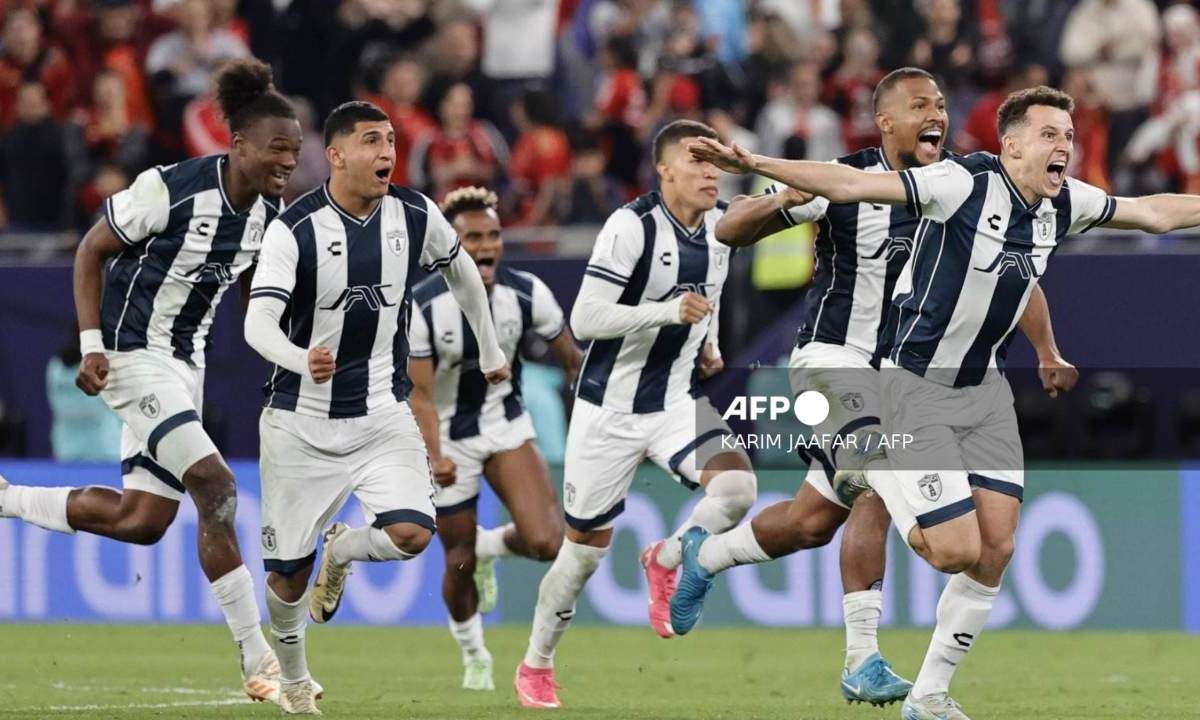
536, 687
662, 587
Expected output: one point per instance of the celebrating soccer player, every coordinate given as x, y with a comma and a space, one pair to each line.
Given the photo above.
474, 429
330, 307
174, 242
955, 491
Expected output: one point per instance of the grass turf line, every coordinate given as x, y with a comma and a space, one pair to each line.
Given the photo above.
134, 672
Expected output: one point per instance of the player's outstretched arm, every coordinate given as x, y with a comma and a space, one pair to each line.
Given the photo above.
1057, 374
750, 218
462, 276
835, 182
597, 314
1156, 213
98, 245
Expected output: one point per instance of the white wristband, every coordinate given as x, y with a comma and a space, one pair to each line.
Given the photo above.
91, 341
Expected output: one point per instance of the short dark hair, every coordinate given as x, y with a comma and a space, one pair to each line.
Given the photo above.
1012, 110
246, 92
344, 117
467, 199
678, 130
893, 78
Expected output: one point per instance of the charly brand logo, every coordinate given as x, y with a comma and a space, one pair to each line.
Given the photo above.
372, 295
931, 486
149, 405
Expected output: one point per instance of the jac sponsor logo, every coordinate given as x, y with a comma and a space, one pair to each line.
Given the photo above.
705, 289
1022, 262
212, 272
372, 295
896, 247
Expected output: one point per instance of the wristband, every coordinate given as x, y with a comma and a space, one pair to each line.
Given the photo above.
91, 341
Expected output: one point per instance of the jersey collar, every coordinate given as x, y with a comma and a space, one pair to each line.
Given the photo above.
680, 229
345, 213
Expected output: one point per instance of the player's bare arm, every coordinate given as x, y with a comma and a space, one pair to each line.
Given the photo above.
1057, 375
98, 245
462, 277
749, 219
837, 183
568, 354
1156, 213
421, 371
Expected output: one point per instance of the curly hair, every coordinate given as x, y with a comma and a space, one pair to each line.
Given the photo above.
467, 199
246, 92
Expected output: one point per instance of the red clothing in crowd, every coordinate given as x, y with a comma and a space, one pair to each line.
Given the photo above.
204, 128
481, 146
540, 155
851, 97
1090, 158
410, 123
980, 127
52, 69
621, 98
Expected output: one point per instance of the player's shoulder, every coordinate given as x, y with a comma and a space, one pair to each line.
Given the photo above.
863, 159
414, 199
628, 218
520, 280
974, 163
641, 205
188, 177
431, 287
303, 207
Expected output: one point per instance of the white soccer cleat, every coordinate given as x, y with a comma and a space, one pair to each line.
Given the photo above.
4, 484
298, 698
262, 685
477, 674
938, 706
331, 580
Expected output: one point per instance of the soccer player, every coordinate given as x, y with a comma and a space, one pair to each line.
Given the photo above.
860, 253
173, 243
473, 429
648, 307
955, 491
330, 307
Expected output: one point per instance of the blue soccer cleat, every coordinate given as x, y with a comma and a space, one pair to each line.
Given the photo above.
694, 583
874, 682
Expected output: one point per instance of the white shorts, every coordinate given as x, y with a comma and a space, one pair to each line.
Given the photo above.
605, 447
851, 386
159, 398
310, 466
470, 454
963, 438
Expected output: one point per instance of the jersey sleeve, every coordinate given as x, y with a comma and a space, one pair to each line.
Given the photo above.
547, 314
937, 191
1090, 206
618, 248
275, 276
441, 243
141, 210
810, 211
419, 343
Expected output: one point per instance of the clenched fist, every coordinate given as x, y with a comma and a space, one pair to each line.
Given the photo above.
321, 364
693, 307
93, 373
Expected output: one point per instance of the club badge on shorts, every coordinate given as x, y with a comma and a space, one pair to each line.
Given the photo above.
853, 401
149, 405
931, 486
268, 538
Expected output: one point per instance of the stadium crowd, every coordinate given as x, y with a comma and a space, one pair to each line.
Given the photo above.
553, 102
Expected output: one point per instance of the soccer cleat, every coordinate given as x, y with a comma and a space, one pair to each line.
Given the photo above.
939, 706
331, 581
874, 682
262, 685
849, 484
4, 484
536, 687
298, 698
661, 582
477, 674
694, 583
485, 584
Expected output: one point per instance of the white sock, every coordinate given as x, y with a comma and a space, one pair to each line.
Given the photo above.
367, 543
235, 592
45, 507
469, 636
727, 499
556, 599
736, 547
288, 624
962, 612
489, 543
863, 610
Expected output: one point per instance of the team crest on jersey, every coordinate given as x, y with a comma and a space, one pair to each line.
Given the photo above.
931, 486
254, 233
719, 259
1043, 225
510, 328
149, 405
853, 401
396, 240
268, 538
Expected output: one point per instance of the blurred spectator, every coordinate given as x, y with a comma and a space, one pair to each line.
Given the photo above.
730, 132
646, 23
993, 50
619, 111
694, 75
1036, 28
109, 131
456, 60
461, 151
225, 17
770, 44
83, 429
312, 168
979, 131
205, 131
1117, 42
28, 57
943, 49
108, 179
541, 160
39, 160
1089, 161
724, 22
1180, 70
182, 62
796, 110
399, 94
849, 92
119, 49
515, 66
593, 195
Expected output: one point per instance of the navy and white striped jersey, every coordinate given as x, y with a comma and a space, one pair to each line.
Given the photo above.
646, 251
347, 284
959, 299
860, 250
465, 402
186, 247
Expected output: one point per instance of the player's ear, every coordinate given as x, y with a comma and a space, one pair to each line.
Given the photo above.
883, 121
334, 157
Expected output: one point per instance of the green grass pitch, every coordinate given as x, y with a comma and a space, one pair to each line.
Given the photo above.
99, 671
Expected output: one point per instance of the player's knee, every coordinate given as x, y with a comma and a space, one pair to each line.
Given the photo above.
212, 486
143, 529
954, 558
995, 556
814, 532
409, 538
544, 545
460, 559
734, 491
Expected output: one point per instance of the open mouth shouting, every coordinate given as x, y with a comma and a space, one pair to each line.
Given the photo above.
929, 141
487, 266
384, 174
1056, 172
